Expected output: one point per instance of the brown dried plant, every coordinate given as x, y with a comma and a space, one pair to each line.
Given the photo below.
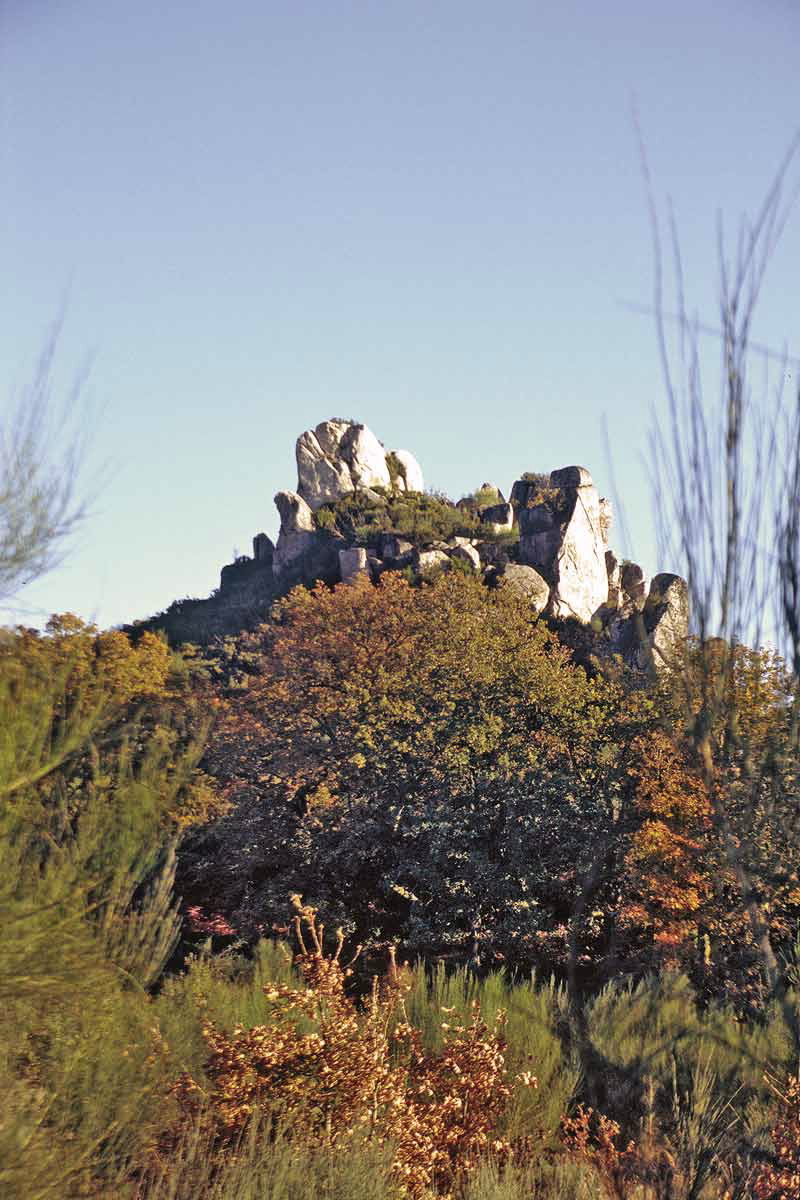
779, 1178
336, 1074
592, 1137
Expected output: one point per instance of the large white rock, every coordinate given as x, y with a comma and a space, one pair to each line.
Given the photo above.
321, 478
329, 434
337, 458
365, 457
564, 539
464, 552
666, 619
412, 471
430, 562
606, 518
295, 514
290, 552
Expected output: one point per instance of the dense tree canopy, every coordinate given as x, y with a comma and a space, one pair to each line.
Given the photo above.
429, 764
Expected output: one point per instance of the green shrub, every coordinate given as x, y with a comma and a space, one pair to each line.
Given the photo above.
269, 1165
420, 517
325, 518
533, 1015
544, 1179
482, 497
227, 989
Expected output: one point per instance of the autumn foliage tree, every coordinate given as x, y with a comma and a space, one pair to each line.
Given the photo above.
429, 764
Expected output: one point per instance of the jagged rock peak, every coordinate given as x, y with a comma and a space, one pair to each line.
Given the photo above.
571, 477
563, 535
295, 515
339, 457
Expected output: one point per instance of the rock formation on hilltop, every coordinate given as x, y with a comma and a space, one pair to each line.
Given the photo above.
339, 457
563, 534
359, 510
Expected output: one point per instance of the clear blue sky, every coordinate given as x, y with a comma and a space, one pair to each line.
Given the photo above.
425, 215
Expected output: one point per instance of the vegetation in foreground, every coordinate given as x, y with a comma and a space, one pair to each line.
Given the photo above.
428, 770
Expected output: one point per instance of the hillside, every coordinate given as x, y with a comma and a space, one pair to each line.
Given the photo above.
361, 511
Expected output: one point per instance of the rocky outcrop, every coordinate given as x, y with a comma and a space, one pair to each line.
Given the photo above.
303, 556
561, 561
322, 476
410, 478
499, 517
340, 457
527, 583
429, 563
365, 457
462, 550
353, 564
263, 549
523, 492
666, 619
562, 537
295, 515
614, 577
394, 549
334, 460
606, 518
633, 587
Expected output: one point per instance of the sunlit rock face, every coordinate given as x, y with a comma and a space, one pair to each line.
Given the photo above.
563, 535
334, 460
323, 476
337, 458
295, 514
411, 478
353, 564
666, 619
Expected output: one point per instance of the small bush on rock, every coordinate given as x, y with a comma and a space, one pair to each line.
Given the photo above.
420, 517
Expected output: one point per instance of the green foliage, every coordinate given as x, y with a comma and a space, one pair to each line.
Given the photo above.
41, 455
269, 1165
227, 989
86, 903
486, 496
542, 492
419, 517
434, 735
534, 1012
542, 1180
692, 1082
89, 1056
325, 519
